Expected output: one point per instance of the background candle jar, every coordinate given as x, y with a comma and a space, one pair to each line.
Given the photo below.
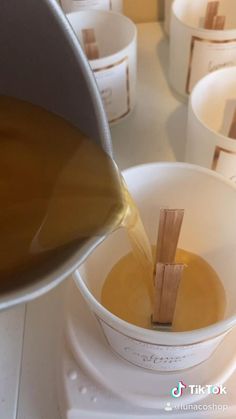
110, 41
209, 234
211, 127
202, 41
75, 5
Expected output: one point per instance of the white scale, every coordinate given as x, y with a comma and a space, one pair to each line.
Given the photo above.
94, 383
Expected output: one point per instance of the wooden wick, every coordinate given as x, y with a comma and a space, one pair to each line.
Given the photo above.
88, 36
167, 273
168, 235
91, 51
218, 22
90, 44
232, 131
166, 284
211, 12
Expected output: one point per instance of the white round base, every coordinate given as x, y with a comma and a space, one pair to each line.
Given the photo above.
109, 385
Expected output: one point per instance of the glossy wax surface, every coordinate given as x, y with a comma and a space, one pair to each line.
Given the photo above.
200, 302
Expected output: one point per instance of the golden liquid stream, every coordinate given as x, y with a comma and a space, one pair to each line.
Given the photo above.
58, 190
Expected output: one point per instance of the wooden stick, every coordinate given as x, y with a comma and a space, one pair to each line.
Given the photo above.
90, 44
88, 36
168, 235
218, 22
232, 131
91, 51
166, 286
211, 12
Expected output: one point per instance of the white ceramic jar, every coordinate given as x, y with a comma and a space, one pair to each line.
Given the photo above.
195, 51
115, 69
211, 112
209, 230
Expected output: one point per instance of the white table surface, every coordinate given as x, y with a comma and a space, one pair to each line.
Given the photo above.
29, 334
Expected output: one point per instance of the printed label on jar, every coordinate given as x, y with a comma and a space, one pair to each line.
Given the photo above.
93, 4
113, 84
207, 56
159, 357
224, 162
